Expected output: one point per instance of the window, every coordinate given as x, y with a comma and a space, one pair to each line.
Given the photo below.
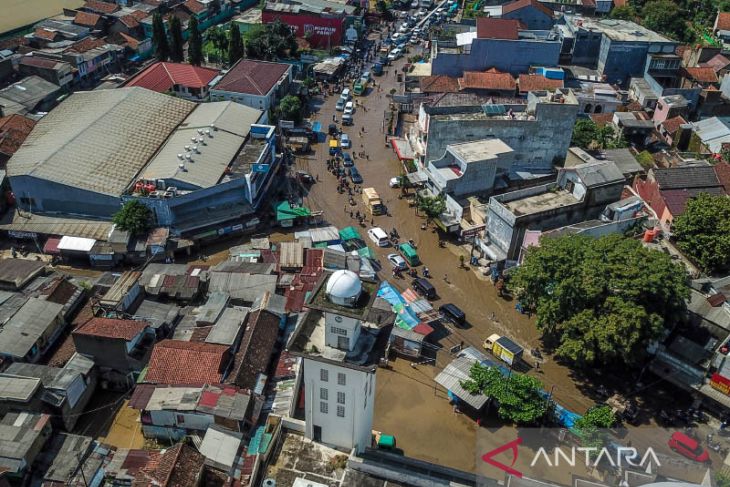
338, 331
323, 393
340, 398
341, 379
323, 408
341, 411
324, 375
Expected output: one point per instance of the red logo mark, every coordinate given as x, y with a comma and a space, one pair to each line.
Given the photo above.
512, 445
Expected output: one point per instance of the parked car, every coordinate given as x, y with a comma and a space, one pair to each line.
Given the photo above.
414, 4
452, 313
397, 262
349, 108
333, 130
424, 288
355, 176
345, 141
347, 160
340, 105
394, 183
347, 119
403, 28
379, 236
395, 54
688, 447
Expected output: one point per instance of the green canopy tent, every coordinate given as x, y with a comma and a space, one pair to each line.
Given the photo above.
366, 253
349, 233
285, 212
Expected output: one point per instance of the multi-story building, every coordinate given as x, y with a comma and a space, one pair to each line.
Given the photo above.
503, 44
618, 49
538, 132
340, 347
101, 148
256, 84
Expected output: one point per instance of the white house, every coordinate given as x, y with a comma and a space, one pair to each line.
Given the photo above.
338, 344
257, 84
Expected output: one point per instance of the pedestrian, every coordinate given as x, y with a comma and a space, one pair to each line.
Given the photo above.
334, 117
446, 278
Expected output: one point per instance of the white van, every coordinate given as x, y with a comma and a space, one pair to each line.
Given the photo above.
345, 95
378, 236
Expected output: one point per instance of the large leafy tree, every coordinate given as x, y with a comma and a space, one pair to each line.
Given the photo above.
177, 45
235, 45
624, 12
432, 206
290, 108
134, 217
588, 135
518, 396
600, 301
666, 17
159, 38
592, 427
195, 43
271, 41
703, 231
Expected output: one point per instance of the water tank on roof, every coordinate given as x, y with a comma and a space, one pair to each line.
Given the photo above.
344, 288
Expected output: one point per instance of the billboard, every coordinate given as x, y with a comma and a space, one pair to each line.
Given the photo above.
320, 32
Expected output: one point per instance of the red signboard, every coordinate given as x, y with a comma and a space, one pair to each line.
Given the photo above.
720, 383
321, 32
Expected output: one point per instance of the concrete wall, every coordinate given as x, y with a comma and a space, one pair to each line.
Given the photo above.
51, 197
586, 47
354, 429
511, 56
537, 144
532, 17
106, 352
618, 61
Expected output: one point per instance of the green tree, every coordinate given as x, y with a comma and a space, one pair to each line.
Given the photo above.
271, 41
593, 425
290, 108
518, 396
195, 43
666, 17
159, 38
235, 45
432, 206
624, 12
134, 217
600, 301
177, 45
722, 479
703, 231
383, 10
589, 136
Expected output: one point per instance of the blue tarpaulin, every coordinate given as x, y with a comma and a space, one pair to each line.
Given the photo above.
406, 317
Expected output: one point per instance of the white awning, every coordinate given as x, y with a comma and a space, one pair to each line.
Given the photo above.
76, 244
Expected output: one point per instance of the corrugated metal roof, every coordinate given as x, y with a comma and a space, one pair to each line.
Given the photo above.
215, 151
599, 173
99, 140
226, 329
292, 254
24, 329
451, 377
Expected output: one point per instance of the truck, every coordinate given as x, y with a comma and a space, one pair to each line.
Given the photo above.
503, 348
372, 201
358, 88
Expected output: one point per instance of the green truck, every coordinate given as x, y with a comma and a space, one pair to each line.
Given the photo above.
409, 254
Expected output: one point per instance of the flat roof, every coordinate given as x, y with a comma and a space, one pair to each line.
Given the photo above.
479, 150
541, 202
99, 140
214, 149
15, 388
619, 30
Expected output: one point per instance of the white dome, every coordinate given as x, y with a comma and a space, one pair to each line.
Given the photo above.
343, 285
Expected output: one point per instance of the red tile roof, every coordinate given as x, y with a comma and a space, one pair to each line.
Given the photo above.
489, 80
176, 362
112, 328
86, 19
601, 119
87, 44
722, 22
45, 34
702, 74
194, 6
252, 77
257, 347
100, 7
722, 170
39, 62
537, 82
439, 84
13, 131
129, 40
672, 125
161, 77
491, 28
129, 21
178, 466
520, 4
717, 62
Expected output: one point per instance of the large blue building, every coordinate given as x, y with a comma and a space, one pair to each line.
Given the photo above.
503, 44
194, 165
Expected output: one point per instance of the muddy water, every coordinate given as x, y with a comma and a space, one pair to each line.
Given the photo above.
19, 13
486, 312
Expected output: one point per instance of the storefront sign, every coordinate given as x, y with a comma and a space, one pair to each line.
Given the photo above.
22, 235
470, 232
261, 168
720, 383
